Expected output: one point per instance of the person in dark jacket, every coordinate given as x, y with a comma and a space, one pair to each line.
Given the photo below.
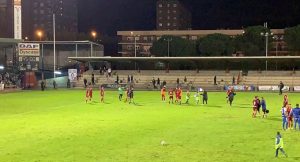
281, 86
204, 97
43, 85
85, 82
93, 79
215, 80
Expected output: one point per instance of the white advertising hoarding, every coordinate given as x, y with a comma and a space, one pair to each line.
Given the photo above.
272, 88
17, 19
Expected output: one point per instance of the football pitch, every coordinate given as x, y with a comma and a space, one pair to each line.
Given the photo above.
60, 126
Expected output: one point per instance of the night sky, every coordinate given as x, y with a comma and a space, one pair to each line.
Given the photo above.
109, 16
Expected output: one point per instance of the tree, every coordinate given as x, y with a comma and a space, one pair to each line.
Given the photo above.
252, 43
178, 47
292, 38
215, 45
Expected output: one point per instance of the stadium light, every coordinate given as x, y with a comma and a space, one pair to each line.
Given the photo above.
39, 33
1, 67
58, 72
94, 35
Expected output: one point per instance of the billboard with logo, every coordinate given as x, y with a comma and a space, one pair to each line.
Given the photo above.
29, 56
72, 75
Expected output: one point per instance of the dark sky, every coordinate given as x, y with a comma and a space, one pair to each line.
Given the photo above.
108, 16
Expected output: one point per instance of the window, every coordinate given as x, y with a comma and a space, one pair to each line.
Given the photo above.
41, 4
160, 18
168, 4
160, 11
130, 38
160, 24
168, 11
175, 18
175, 5
42, 11
174, 24
174, 11
160, 5
145, 38
129, 47
194, 37
168, 17
169, 24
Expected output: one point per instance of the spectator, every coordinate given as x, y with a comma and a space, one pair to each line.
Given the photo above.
109, 72
281, 86
233, 80
85, 82
117, 79
43, 85
215, 80
128, 79
185, 80
158, 81
100, 71
54, 84
68, 83
177, 81
153, 82
93, 79
131, 79
164, 83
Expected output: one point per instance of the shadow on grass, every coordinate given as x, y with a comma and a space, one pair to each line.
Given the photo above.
216, 106
244, 107
274, 118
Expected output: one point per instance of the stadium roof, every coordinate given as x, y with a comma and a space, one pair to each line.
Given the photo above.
166, 59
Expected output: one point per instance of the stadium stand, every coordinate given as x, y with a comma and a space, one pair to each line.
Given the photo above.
143, 79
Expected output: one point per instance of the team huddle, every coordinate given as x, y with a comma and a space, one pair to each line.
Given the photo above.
129, 94
178, 95
290, 116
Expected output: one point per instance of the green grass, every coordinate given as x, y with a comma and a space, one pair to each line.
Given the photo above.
60, 126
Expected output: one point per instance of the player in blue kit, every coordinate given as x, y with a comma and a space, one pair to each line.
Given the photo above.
296, 115
284, 118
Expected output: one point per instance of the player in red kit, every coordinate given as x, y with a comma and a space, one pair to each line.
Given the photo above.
255, 107
102, 94
91, 93
228, 93
179, 95
87, 94
171, 94
289, 112
163, 93
285, 100
127, 95
176, 95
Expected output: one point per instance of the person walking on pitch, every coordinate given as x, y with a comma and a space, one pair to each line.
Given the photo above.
120, 91
279, 145
187, 96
